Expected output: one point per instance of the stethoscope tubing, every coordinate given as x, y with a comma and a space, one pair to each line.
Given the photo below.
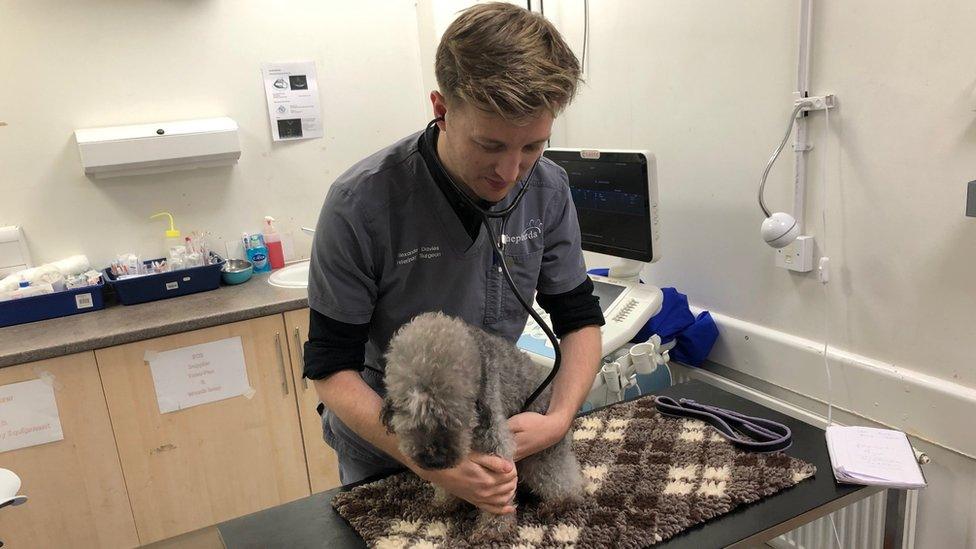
498, 249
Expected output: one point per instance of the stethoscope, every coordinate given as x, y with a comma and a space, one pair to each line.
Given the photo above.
498, 248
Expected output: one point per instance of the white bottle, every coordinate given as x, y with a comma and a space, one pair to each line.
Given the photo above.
173, 244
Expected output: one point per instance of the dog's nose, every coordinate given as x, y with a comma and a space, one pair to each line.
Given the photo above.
435, 459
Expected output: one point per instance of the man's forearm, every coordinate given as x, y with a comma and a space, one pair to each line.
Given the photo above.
358, 406
581, 352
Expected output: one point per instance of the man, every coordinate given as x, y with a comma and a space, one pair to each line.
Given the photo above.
396, 239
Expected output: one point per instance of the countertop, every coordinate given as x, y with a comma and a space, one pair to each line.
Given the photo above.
118, 324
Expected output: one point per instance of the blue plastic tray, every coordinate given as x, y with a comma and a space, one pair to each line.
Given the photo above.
43, 307
165, 285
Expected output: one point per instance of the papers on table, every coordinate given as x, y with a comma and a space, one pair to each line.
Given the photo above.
879, 457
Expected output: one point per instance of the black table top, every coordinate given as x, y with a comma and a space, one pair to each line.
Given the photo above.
311, 521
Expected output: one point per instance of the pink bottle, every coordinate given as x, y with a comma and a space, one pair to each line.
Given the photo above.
273, 242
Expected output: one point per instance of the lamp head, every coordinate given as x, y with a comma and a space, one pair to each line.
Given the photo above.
780, 230
9, 486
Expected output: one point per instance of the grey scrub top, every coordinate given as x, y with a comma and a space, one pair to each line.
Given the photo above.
388, 246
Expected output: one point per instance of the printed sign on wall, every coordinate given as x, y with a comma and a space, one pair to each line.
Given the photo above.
199, 374
28, 415
293, 100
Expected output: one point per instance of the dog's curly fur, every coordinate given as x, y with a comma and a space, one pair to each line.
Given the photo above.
450, 388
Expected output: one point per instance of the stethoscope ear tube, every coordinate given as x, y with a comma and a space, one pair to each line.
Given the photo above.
498, 248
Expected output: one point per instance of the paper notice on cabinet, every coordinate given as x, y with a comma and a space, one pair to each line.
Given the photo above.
293, 100
28, 415
199, 374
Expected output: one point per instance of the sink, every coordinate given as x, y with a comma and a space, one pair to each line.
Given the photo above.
292, 276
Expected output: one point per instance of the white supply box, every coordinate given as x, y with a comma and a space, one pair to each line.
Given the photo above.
160, 147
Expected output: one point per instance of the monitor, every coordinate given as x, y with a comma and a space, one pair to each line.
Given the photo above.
615, 193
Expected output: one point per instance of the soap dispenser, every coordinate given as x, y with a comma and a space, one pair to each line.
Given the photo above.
257, 254
273, 242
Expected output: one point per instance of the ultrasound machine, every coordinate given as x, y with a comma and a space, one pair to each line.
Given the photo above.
615, 194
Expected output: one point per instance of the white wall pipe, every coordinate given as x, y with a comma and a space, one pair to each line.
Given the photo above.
801, 146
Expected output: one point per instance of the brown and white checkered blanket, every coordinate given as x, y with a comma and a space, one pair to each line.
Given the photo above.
648, 477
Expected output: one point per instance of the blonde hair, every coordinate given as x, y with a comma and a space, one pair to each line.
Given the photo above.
503, 59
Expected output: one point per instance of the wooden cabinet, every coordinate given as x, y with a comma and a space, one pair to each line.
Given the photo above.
77, 496
208, 463
323, 468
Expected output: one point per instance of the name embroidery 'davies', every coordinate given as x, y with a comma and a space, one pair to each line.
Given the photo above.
421, 253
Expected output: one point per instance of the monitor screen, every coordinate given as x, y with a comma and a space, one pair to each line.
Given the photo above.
606, 293
612, 202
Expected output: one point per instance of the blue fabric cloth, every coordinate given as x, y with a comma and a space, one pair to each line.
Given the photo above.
695, 335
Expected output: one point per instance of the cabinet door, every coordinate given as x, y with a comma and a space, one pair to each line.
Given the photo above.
323, 466
76, 493
212, 462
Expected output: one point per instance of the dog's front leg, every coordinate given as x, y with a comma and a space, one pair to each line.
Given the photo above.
444, 501
490, 527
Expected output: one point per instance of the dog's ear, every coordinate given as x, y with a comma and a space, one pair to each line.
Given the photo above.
386, 415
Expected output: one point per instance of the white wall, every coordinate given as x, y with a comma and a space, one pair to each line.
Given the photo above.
706, 85
69, 65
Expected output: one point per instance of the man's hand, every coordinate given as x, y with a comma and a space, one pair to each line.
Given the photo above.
535, 432
485, 481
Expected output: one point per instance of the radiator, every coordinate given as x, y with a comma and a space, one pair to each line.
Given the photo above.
859, 525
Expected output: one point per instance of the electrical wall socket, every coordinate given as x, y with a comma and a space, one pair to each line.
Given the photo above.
798, 256
815, 102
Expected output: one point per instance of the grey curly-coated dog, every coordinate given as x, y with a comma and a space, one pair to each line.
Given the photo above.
450, 388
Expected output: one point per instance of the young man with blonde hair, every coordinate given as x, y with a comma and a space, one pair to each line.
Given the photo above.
395, 239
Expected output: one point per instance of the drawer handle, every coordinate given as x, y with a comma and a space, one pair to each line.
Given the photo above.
301, 355
281, 364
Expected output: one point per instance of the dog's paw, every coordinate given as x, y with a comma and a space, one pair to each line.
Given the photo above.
490, 528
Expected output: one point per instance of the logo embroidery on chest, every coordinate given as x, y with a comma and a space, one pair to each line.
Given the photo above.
422, 253
533, 230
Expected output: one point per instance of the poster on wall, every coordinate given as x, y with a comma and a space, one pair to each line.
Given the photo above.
28, 415
198, 374
293, 100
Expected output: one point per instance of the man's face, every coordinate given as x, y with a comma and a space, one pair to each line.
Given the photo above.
487, 153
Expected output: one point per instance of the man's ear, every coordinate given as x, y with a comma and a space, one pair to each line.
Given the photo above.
386, 415
439, 105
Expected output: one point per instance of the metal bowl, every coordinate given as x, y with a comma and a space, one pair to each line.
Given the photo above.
236, 271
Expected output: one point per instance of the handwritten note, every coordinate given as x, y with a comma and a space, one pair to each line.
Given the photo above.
28, 415
865, 455
199, 374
